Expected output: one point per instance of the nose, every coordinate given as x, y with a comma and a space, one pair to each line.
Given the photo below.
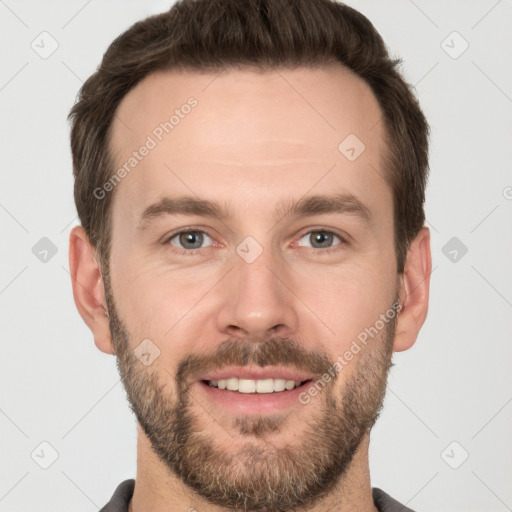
258, 301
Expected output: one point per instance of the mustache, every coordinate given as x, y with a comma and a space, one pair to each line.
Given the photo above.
275, 351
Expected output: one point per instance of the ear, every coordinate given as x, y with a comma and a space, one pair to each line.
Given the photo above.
88, 288
414, 291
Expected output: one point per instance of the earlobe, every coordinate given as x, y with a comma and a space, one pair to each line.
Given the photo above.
88, 288
414, 291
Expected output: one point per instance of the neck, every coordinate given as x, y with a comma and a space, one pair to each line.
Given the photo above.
159, 490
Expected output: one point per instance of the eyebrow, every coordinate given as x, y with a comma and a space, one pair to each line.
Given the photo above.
305, 206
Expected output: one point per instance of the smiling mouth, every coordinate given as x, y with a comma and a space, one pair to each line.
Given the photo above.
260, 386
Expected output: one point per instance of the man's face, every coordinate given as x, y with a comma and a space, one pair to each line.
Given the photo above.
268, 292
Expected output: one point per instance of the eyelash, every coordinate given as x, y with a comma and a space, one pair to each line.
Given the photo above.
193, 252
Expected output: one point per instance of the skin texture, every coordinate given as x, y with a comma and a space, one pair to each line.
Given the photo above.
254, 140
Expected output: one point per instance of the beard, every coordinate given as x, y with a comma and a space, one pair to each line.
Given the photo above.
257, 476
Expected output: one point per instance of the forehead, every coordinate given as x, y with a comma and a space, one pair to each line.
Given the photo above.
246, 133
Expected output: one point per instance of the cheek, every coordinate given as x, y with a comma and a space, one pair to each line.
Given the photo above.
347, 296
165, 306
349, 301
155, 302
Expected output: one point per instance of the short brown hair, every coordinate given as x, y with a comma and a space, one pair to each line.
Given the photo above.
266, 34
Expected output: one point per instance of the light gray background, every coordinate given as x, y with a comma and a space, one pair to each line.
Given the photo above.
453, 385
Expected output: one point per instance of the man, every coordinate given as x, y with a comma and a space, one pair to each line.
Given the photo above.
250, 179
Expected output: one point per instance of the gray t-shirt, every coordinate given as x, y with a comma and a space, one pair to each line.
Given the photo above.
123, 494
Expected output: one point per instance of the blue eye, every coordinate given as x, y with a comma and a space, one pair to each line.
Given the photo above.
320, 239
189, 240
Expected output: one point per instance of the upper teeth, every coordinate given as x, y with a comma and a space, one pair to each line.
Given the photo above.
254, 386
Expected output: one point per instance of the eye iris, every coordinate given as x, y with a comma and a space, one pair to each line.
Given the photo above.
322, 238
194, 238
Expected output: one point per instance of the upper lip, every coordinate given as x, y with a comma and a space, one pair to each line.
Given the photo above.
257, 373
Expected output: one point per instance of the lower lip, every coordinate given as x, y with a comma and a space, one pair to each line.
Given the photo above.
254, 403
